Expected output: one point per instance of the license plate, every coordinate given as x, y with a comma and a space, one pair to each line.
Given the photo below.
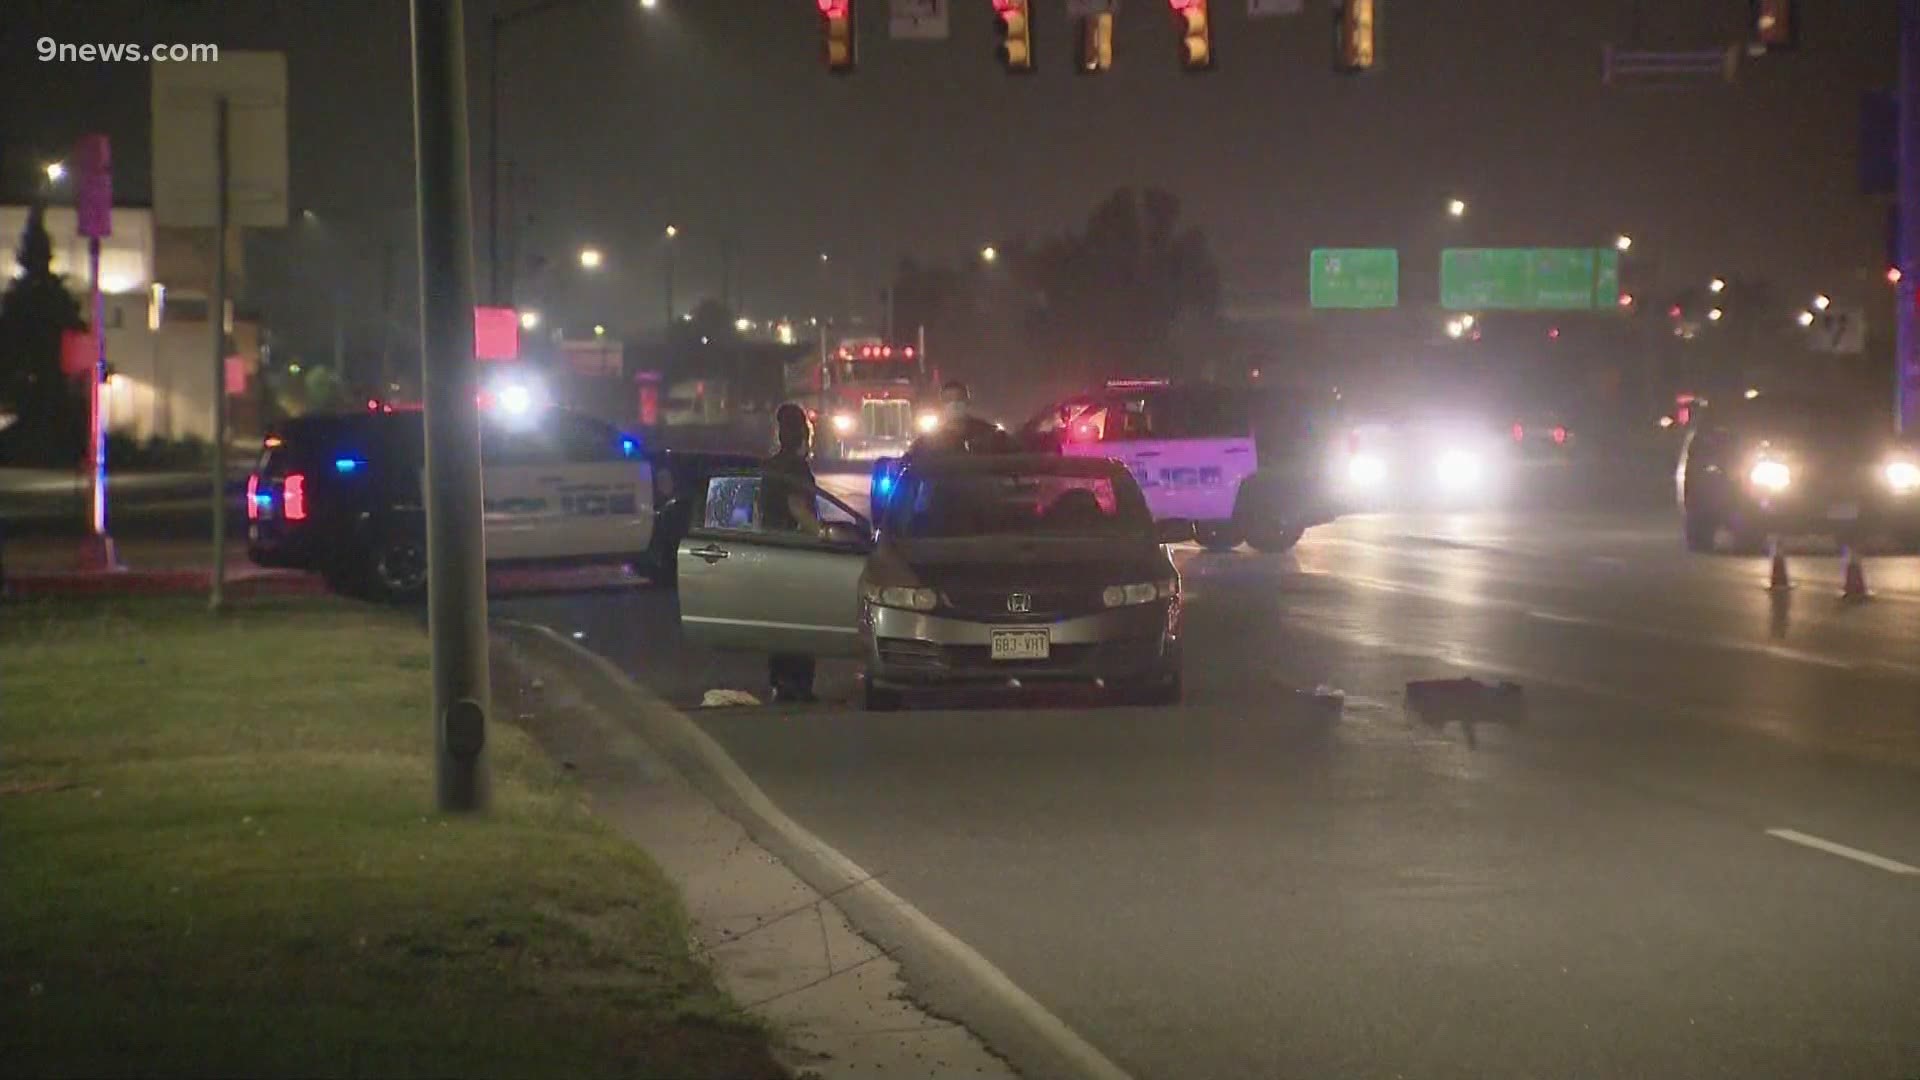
1021, 645
1843, 512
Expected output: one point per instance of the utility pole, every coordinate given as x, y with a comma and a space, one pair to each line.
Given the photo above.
93, 159
456, 557
217, 321
1907, 350
670, 249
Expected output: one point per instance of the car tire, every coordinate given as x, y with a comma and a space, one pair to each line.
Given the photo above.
395, 567
1700, 529
1275, 541
881, 699
1217, 536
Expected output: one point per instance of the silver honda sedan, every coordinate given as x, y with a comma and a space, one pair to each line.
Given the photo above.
980, 571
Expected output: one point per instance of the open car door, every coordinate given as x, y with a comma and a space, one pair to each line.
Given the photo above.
749, 588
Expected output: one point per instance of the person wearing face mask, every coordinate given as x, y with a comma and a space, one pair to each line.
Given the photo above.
961, 432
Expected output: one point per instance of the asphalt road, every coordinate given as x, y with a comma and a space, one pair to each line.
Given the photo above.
1692, 856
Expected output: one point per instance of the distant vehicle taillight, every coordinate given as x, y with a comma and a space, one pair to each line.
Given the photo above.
253, 496
1560, 436
1519, 432
293, 497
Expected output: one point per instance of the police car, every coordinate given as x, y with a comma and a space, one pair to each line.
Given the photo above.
1241, 463
341, 495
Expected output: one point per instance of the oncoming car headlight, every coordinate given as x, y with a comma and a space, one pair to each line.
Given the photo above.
1902, 476
842, 422
1770, 475
1366, 470
904, 597
1457, 469
1145, 592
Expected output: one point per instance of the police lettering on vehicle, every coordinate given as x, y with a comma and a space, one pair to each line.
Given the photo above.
1180, 477
589, 503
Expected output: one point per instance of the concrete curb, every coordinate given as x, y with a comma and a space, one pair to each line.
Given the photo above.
945, 973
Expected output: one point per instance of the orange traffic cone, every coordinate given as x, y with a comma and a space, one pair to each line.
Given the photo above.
1856, 582
1778, 581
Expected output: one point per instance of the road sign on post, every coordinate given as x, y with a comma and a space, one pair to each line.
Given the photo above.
1354, 278
1529, 279
220, 159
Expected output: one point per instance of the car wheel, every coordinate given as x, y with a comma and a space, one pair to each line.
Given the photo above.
1217, 536
881, 699
1275, 541
1700, 528
396, 567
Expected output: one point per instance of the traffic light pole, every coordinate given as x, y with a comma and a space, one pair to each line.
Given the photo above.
456, 558
1907, 358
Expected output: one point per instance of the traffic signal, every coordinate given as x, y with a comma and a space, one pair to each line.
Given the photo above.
1353, 37
1776, 24
1096, 44
1013, 21
1196, 34
837, 35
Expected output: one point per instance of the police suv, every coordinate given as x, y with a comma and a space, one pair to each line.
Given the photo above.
1243, 464
341, 494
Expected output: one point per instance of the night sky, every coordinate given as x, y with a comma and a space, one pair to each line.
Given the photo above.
718, 116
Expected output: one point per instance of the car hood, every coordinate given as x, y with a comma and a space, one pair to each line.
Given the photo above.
1010, 560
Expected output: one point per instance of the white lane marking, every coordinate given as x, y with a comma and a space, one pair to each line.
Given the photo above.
1557, 617
1783, 652
1878, 862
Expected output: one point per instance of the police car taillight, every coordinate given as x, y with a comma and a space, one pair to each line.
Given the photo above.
293, 497
253, 496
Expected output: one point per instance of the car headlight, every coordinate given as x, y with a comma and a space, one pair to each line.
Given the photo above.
904, 597
842, 423
1770, 475
1457, 469
1902, 476
1366, 470
1145, 592
928, 423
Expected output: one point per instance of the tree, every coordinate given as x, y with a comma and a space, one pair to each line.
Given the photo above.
1111, 295
35, 310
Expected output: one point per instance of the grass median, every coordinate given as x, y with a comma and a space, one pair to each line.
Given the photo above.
220, 857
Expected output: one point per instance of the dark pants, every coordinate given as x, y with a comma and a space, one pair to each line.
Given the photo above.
790, 673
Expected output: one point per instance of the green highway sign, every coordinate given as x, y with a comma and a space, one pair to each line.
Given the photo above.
1354, 278
1529, 279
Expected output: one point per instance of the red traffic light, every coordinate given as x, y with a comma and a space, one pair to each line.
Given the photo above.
837, 40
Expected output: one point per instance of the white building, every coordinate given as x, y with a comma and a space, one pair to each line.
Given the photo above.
159, 346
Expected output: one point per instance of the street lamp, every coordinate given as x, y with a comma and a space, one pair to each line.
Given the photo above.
1717, 285
1822, 302
1716, 315
1456, 327
1622, 242
989, 253
1456, 208
1805, 318
590, 258
529, 320
56, 171
649, 5
673, 231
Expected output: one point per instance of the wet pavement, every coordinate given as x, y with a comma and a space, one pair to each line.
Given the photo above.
1691, 851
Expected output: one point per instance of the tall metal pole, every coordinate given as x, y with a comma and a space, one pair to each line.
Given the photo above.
670, 249
217, 320
1907, 361
93, 205
456, 556
493, 155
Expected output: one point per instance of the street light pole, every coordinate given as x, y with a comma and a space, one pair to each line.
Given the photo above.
1906, 369
456, 558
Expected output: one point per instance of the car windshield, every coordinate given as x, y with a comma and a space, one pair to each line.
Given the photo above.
1032, 503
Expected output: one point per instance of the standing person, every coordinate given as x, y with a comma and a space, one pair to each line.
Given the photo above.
960, 431
786, 503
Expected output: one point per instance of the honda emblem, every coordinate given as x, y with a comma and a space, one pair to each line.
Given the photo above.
1019, 603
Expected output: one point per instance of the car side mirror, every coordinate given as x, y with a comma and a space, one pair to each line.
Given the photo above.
1173, 531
